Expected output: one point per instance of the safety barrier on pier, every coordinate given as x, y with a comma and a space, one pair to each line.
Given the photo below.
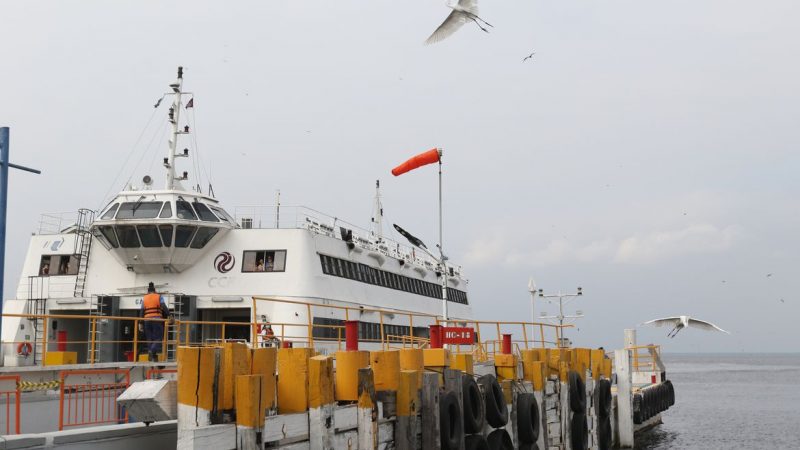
541, 335
645, 357
10, 392
89, 397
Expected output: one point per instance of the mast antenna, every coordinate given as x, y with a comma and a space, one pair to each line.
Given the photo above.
174, 117
377, 216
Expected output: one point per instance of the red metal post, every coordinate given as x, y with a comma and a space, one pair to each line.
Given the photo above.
436, 336
62, 341
351, 335
286, 344
506, 349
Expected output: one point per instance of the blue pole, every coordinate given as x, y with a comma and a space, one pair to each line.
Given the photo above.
3, 204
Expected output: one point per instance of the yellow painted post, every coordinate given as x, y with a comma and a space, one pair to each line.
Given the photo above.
436, 359
598, 355
386, 369
310, 326
293, 379
525, 335
136, 339
249, 415
563, 371
462, 362
536, 373
163, 355
222, 337
263, 362
195, 386
541, 334
254, 342
607, 367
347, 367
235, 362
583, 359
408, 409
506, 366
320, 402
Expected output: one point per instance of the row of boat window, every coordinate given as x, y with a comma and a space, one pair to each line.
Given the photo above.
153, 236
325, 328
366, 274
58, 265
163, 210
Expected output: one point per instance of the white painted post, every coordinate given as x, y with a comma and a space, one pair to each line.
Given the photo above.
622, 367
630, 337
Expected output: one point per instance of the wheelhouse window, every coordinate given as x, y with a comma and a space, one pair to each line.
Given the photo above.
205, 213
58, 265
222, 214
183, 235
166, 212
109, 214
108, 233
139, 210
185, 210
166, 234
264, 261
203, 236
149, 236
127, 236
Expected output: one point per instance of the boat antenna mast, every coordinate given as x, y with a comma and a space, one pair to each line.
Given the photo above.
377, 215
174, 116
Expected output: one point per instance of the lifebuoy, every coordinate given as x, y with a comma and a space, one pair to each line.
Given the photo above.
577, 393
495, 401
500, 440
528, 422
474, 416
450, 421
24, 349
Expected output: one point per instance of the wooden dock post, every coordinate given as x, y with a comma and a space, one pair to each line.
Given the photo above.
430, 411
453, 383
622, 366
249, 414
320, 403
408, 407
367, 411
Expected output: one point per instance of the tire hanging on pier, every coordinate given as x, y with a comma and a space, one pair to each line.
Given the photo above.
671, 390
475, 442
495, 401
602, 398
451, 424
474, 414
500, 440
577, 393
579, 430
604, 433
637, 408
528, 418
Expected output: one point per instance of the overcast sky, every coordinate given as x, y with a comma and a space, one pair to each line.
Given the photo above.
648, 151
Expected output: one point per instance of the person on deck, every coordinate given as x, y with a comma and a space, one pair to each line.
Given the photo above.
153, 307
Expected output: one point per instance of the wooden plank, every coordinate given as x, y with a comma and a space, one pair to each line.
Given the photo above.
346, 418
222, 437
430, 411
285, 427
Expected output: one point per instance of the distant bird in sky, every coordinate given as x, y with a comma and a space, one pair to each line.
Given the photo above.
528, 57
680, 322
782, 301
769, 275
463, 12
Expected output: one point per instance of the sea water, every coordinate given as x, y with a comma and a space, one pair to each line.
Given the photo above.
730, 401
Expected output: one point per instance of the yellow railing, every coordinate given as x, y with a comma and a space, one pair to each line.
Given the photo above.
645, 357
540, 335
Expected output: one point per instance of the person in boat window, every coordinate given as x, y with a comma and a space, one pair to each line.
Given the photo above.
260, 265
270, 266
153, 307
45, 270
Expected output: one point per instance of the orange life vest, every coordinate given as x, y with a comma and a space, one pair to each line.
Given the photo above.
152, 305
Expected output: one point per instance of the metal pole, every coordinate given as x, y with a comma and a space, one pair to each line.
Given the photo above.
441, 247
4, 147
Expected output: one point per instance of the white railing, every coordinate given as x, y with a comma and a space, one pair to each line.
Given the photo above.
301, 217
55, 223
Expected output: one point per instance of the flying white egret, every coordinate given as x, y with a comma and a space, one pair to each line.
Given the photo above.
680, 322
463, 12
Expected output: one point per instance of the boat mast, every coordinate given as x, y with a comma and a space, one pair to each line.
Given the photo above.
377, 216
174, 116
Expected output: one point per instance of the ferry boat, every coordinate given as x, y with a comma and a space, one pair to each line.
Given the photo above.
209, 261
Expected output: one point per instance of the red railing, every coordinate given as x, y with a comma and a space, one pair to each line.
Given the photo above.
6, 381
89, 403
150, 372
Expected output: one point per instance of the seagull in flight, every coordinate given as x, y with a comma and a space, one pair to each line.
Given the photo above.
680, 322
530, 57
462, 12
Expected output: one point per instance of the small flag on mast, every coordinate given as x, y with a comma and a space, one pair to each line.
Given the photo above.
190, 104
431, 156
411, 238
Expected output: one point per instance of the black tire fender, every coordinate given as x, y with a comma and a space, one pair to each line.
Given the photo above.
474, 411
494, 400
604, 434
577, 393
578, 431
602, 398
500, 440
528, 418
475, 442
451, 424
671, 390
637, 408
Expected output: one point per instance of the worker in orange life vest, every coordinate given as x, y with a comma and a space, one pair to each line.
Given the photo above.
153, 307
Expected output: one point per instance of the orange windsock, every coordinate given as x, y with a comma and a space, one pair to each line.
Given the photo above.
425, 158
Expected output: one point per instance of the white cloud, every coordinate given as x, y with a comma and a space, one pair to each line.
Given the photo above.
646, 247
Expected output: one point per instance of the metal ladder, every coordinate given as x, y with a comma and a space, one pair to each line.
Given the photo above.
174, 333
37, 305
95, 310
83, 245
